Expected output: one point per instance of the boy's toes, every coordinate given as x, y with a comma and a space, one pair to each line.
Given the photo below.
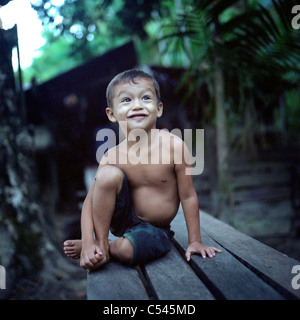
69, 248
72, 248
68, 243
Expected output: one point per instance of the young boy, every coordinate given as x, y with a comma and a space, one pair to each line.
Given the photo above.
137, 201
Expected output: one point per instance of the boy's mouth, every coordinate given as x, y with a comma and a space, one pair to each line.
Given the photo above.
137, 116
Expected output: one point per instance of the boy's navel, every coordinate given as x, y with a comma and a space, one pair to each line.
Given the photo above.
163, 180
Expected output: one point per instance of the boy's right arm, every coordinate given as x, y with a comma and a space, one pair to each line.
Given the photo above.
90, 251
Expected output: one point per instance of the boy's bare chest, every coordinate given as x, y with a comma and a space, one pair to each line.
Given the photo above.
151, 175
152, 166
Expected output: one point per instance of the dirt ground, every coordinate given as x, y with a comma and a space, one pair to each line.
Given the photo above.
60, 279
64, 282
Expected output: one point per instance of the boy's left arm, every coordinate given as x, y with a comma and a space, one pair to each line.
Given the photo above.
190, 206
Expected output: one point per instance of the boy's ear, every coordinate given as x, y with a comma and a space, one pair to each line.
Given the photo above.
110, 114
160, 108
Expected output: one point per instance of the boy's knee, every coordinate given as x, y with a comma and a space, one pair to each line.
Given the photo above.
121, 249
109, 177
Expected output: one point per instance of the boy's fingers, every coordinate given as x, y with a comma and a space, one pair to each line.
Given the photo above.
99, 251
89, 262
98, 257
85, 264
94, 259
211, 252
188, 255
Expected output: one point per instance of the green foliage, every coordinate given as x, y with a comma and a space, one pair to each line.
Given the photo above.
56, 56
79, 30
103, 21
256, 48
253, 40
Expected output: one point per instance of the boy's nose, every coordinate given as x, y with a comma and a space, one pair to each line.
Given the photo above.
137, 105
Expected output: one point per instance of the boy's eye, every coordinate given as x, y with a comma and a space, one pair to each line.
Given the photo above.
126, 100
146, 98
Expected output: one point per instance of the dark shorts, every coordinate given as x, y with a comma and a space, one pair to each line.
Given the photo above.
149, 242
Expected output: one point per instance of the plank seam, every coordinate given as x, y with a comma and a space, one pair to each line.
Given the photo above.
146, 281
284, 292
218, 295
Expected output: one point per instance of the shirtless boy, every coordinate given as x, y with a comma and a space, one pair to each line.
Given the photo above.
137, 202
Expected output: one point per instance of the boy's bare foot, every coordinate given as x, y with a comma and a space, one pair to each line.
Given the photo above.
72, 248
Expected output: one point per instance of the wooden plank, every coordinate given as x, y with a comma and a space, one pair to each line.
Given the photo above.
115, 282
271, 265
228, 278
173, 279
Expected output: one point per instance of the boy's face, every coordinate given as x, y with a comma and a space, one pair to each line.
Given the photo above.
135, 103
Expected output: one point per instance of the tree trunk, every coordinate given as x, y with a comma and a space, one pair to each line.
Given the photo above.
24, 240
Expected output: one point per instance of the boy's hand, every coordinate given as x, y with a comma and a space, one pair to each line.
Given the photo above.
202, 249
92, 257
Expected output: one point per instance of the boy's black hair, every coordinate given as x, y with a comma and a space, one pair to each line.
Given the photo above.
129, 76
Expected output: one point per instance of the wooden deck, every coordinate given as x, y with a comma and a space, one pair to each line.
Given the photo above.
245, 270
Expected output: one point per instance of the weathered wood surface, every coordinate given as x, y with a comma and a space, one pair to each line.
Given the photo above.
269, 264
115, 282
173, 279
246, 269
226, 276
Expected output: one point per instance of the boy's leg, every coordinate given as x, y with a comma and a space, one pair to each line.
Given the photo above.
108, 183
148, 242
121, 249
111, 209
